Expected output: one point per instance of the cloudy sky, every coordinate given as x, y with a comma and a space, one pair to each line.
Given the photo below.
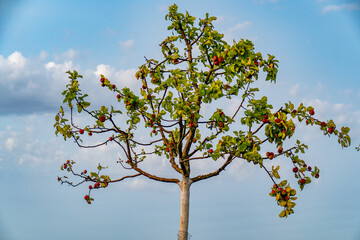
317, 43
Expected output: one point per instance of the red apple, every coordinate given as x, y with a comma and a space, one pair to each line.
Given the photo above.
215, 58
295, 169
316, 175
85, 171
90, 187
81, 131
331, 130
118, 96
102, 80
221, 59
102, 119
280, 150
302, 181
211, 151
323, 124
309, 168
311, 112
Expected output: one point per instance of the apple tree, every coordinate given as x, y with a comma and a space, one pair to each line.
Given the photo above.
197, 69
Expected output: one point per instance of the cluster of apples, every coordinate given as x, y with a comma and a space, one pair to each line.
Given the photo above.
282, 193
271, 155
266, 119
301, 170
217, 60
323, 125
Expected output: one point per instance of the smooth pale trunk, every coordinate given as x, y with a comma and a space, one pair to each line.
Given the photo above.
184, 211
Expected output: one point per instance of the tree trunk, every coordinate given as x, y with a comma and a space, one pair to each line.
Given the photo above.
184, 212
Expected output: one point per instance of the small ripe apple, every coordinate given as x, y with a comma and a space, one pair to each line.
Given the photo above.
176, 60
287, 198
216, 63
323, 124
280, 150
221, 59
167, 149
331, 130
316, 175
90, 187
215, 58
277, 120
302, 181
85, 171
110, 138
270, 155
295, 169
86, 197
148, 96
90, 134
113, 86
194, 140
273, 192
102, 80
143, 87
118, 96
81, 131
211, 151
311, 112
227, 86
102, 119
153, 131
309, 168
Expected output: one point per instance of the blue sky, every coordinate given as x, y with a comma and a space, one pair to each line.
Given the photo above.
317, 43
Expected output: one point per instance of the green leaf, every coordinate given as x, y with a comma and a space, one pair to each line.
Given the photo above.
282, 214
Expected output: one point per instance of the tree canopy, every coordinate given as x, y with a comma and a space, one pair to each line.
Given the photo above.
198, 68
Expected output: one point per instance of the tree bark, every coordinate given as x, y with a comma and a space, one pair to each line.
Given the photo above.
184, 211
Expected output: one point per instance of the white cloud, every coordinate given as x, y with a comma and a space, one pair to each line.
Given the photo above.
10, 143
129, 44
333, 8
236, 30
105, 70
71, 54
239, 27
